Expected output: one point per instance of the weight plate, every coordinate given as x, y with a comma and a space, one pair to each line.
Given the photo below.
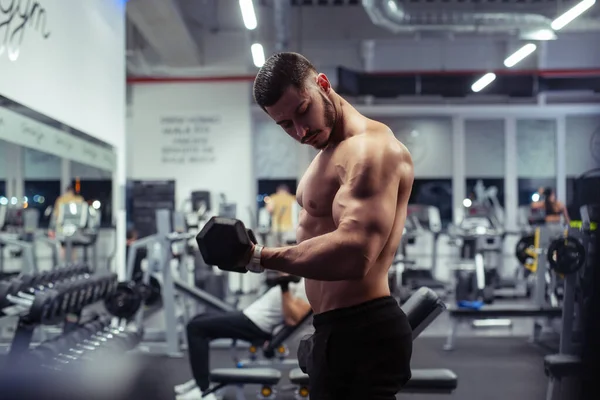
125, 301
521, 250
566, 255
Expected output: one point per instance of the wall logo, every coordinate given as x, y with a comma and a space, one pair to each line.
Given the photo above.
595, 145
16, 18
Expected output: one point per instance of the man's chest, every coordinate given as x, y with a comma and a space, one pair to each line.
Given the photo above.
318, 187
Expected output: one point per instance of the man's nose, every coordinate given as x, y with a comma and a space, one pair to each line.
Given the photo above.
301, 131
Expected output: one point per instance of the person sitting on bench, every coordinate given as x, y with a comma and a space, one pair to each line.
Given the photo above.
285, 303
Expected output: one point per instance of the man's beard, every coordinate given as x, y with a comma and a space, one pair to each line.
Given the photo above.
329, 115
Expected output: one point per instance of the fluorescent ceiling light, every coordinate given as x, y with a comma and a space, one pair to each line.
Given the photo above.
258, 55
573, 13
248, 14
538, 34
483, 82
519, 55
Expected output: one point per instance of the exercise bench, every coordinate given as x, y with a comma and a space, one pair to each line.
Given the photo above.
421, 309
559, 368
267, 378
274, 351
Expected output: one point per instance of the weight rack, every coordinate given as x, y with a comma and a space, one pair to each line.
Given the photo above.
51, 298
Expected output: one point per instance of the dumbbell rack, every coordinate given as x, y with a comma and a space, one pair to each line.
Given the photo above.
82, 344
51, 298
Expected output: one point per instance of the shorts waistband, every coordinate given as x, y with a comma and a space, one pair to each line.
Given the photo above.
348, 313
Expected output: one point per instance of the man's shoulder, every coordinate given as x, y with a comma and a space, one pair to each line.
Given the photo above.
376, 144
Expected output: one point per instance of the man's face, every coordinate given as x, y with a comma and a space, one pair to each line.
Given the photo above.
306, 115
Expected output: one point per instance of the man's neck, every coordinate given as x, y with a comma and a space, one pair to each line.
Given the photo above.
343, 111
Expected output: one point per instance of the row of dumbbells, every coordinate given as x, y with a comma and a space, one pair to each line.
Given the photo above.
47, 301
83, 344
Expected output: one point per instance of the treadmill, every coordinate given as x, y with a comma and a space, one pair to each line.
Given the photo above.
421, 221
11, 217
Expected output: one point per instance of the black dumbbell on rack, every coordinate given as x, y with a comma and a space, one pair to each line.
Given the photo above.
49, 304
83, 344
54, 275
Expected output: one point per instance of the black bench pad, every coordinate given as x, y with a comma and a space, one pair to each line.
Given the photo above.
236, 376
562, 365
422, 379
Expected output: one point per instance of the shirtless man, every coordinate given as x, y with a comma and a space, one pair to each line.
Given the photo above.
354, 199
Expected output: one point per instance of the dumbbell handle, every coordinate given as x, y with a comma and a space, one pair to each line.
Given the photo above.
20, 301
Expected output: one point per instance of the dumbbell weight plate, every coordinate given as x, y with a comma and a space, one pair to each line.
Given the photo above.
100, 288
76, 293
65, 290
224, 242
125, 301
91, 286
42, 306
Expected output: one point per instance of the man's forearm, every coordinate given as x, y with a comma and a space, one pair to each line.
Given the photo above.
330, 257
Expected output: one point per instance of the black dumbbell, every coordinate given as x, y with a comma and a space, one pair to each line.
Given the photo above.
12, 293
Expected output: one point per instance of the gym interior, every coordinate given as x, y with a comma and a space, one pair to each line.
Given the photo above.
126, 127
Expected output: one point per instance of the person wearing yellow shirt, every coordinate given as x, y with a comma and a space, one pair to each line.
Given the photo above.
281, 206
69, 196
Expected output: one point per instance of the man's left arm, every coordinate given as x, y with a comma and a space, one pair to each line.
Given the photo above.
366, 205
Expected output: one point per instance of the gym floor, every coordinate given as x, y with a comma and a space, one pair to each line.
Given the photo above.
491, 368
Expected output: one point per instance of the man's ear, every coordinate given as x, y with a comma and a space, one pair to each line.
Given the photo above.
323, 83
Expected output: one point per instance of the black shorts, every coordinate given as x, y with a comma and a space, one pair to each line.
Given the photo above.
359, 352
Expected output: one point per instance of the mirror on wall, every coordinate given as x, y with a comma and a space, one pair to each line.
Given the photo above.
45, 169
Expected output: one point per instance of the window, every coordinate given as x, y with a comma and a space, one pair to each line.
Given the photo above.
98, 193
42, 194
528, 187
434, 192
582, 158
536, 144
488, 183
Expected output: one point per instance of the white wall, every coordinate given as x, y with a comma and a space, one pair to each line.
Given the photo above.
277, 156
275, 153
69, 64
429, 140
200, 135
536, 141
484, 148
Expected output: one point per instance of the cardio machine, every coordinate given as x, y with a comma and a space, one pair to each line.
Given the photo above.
423, 223
479, 239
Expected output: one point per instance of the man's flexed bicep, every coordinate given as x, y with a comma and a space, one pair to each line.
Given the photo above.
366, 203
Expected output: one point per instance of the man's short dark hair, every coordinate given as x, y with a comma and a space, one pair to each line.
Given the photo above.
279, 72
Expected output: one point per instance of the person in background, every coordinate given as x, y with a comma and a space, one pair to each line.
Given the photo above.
285, 303
552, 208
281, 206
69, 196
